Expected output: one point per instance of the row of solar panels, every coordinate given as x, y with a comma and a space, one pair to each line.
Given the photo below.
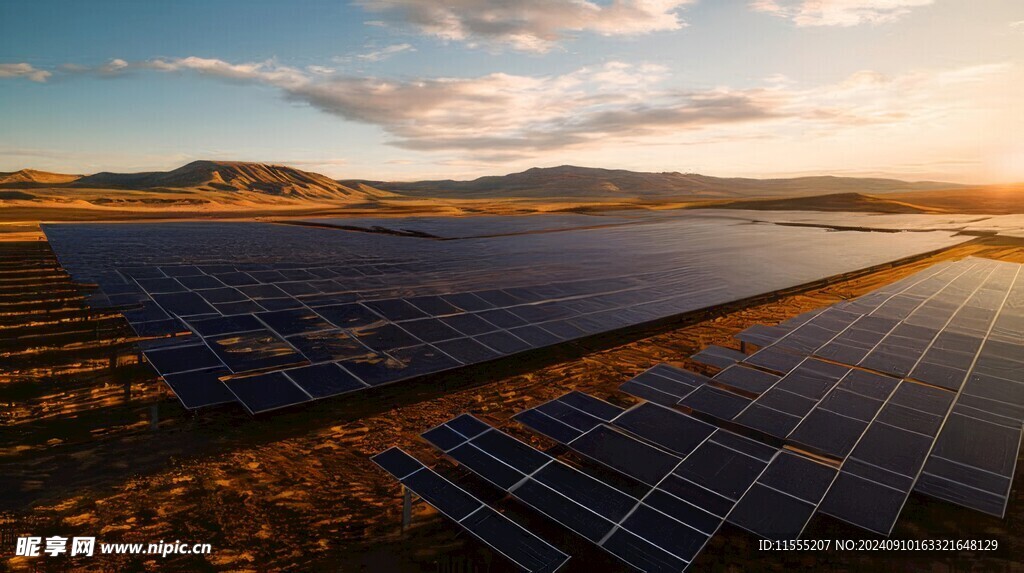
775, 436
685, 478
316, 346
976, 409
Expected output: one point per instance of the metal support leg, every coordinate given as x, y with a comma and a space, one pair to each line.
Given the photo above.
154, 416
406, 507
743, 347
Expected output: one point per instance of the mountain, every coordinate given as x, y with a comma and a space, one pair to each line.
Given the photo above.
234, 177
31, 177
574, 182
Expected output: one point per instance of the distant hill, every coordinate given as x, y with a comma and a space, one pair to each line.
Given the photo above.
32, 177
858, 202
986, 200
235, 177
574, 182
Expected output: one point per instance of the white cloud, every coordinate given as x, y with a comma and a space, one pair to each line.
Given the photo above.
321, 70
23, 70
520, 114
264, 72
375, 54
528, 25
592, 113
838, 12
386, 52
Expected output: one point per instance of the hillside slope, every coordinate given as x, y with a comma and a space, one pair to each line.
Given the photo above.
232, 176
853, 202
33, 178
569, 181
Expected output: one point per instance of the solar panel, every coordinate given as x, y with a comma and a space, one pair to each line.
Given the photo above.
774, 358
677, 538
625, 454
563, 510
184, 304
747, 380
972, 464
718, 356
200, 388
324, 380
721, 469
828, 434
716, 402
348, 315
671, 430
641, 390
467, 350
670, 524
327, 346
768, 420
589, 492
295, 321
384, 337
502, 342
254, 350
569, 415
520, 546
527, 551
183, 359
761, 335
595, 407
771, 513
431, 330
225, 325
813, 378
798, 476
266, 392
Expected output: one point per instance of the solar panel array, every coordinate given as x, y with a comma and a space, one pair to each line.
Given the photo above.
935, 382
776, 436
276, 315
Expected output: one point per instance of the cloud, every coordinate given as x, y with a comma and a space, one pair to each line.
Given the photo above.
321, 70
502, 117
386, 52
264, 72
527, 25
838, 12
492, 113
23, 70
113, 68
513, 113
922, 97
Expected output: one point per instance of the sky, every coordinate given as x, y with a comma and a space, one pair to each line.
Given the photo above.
424, 89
